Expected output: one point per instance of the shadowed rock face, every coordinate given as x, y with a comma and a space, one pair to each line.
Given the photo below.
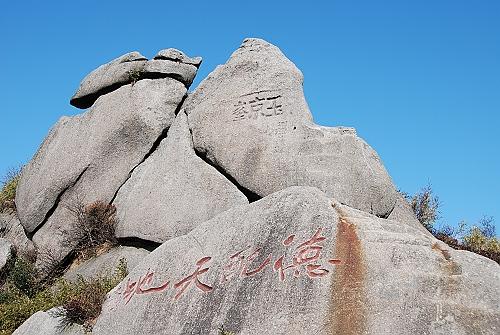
13, 231
250, 118
298, 262
173, 191
7, 254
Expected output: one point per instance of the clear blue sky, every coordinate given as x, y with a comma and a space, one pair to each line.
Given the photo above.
420, 80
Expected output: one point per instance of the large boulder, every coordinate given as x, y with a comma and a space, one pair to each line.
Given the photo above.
249, 117
46, 323
107, 263
88, 157
173, 191
108, 77
298, 262
12, 230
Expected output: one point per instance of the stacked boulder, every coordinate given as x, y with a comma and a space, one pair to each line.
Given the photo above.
265, 222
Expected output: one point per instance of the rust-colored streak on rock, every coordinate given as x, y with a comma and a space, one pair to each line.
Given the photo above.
450, 266
347, 313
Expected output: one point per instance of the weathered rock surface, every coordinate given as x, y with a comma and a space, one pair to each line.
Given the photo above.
185, 73
94, 152
178, 56
7, 254
13, 231
173, 191
43, 323
88, 157
107, 263
250, 118
107, 78
298, 262
131, 67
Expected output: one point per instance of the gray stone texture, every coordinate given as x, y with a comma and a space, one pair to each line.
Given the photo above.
177, 56
43, 323
13, 231
7, 254
88, 157
173, 191
107, 77
132, 67
106, 264
344, 272
250, 118
185, 73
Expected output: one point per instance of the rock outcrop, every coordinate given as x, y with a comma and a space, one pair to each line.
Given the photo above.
173, 191
258, 219
299, 262
88, 157
250, 118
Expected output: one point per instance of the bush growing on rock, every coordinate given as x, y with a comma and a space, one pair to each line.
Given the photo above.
425, 205
480, 238
95, 228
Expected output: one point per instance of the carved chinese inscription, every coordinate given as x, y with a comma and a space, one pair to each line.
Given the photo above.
306, 259
257, 105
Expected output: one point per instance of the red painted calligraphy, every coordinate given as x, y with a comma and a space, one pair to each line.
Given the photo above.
138, 287
183, 284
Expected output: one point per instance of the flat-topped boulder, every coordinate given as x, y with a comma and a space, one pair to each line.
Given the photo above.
132, 67
177, 56
249, 118
173, 191
106, 264
107, 78
299, 262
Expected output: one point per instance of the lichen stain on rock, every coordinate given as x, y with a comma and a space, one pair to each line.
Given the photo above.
347, 308
451, 267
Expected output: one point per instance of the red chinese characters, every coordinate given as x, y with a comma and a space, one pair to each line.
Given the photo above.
242, 266
138, 287
183, 284
305, 258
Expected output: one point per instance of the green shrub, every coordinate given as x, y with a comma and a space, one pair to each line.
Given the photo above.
8, 187
23, 276
425, 205
81, 301
480, 238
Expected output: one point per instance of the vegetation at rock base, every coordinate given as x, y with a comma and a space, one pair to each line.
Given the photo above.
479, 238
8, 186
24, 294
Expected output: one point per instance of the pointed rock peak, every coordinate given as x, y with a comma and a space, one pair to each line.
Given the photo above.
177, 56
